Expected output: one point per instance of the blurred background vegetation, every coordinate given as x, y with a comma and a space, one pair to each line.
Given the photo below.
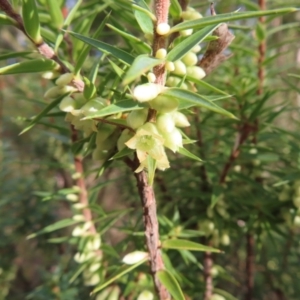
252, 214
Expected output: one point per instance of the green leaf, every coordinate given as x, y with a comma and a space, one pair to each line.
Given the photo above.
31, 66
142, 16
58, 225
187, 44
260, 32
119, 107
187, 245
42, 113
137, 43
124, 152
86, 49
186, 96
55, 12
116, 68
141, 65
119, 273
8, 55
151, 167
171, 284
175, 9
212, 20
187, 153
31, 20
224, 294
123, 56
6, 20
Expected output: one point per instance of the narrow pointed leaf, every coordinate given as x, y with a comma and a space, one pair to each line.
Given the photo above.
31, 20
119, 273
6, 20
175, 9
196, 100
124, 152
86, 48
141, 65
187, 153
171, 284
136, 42
186, 45
58, 225
199, 23
143, 18
31, 66
43, 113
187, 245
54, 9
119, 107
106, 48
151, 167
9, 55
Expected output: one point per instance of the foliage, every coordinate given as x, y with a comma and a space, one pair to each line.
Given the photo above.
217, 143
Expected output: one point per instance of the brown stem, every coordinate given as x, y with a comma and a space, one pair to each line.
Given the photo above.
151, 231
43, 48
80, 182
250, 263
241, 137
208, 279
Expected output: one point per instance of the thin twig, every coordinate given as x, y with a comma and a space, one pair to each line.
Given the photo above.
80, 182
43, 48
250, 262
208, 279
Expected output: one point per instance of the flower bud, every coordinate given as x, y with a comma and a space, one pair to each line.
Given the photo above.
134, 257
94, 243
151, 77
162, 28
54, 92
180, 68
196, 72
173, 140
164, 104
125, 136
93, 280
170, 66
72, 197
161, 53
78, 218
67, 104
217, 297
146, 92
64, 79
296, 201
93, 105
196, 49
225, 239
180, 119
176, 82
186, 32
94, 267
145, 295
190, 15
165, 123
137, 118
50, 75
190, 59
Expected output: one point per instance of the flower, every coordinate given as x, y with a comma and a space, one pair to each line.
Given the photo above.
148, 141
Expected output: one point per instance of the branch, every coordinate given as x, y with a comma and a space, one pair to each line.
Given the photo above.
147, 197
208, 264
213, 55
80, 182
43, 48
250, 262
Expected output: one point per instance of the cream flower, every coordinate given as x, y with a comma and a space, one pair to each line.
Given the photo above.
148, 141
